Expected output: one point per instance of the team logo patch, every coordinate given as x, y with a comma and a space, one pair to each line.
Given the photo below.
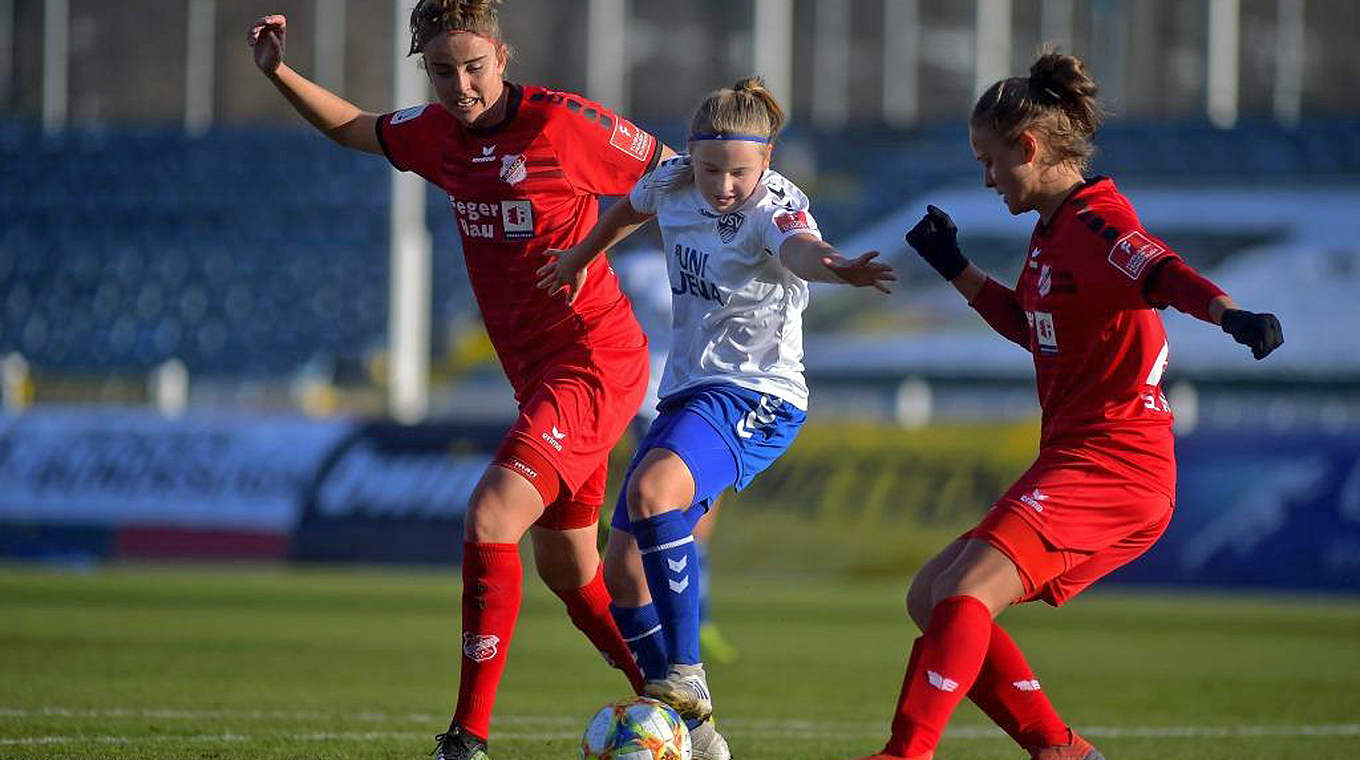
790, 221
513, 169
631, 140
480, 648
729, 225
1045, 280
1132, 253
406, 114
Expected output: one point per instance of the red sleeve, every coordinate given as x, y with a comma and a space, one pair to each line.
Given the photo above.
1122, 254
998, 305
412, 138
1175, 283
600, 152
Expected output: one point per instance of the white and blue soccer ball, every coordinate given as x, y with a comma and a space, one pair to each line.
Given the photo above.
636, 728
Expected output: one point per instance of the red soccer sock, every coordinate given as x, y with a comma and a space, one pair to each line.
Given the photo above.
1008, 692
588, 608
492, 582
944, 662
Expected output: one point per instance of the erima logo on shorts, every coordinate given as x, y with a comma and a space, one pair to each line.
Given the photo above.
480, 648
1030, 685
554, 440
1035, 499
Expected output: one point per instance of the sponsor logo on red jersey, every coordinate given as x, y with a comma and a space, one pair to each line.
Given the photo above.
788, 221
631, 140
1132, 253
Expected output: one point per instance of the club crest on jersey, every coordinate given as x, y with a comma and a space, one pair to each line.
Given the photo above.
1045, 280
729, 225
791, 221
1132, 253
513, 169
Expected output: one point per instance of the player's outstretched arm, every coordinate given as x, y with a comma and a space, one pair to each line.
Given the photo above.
566, 270
335, 117
817, 261
1175, 283
936, 239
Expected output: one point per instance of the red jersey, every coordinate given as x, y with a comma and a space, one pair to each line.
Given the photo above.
517, 189
1099, 348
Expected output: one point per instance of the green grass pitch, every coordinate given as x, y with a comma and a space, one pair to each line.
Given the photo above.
252, 662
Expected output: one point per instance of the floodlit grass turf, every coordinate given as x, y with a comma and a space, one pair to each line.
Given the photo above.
249, 662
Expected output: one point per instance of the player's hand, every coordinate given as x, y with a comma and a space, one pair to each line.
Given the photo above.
266, 39
562, 272
862, 271
1259, 332
936, 239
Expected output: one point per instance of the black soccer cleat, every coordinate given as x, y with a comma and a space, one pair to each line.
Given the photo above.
458, 744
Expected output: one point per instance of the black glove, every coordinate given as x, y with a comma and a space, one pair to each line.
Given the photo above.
936, 239
1260, 332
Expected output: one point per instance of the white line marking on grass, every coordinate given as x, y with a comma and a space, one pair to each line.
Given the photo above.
732, 726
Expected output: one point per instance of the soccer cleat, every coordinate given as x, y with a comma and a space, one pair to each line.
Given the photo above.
705, 742
685, 689
714, 645
1076, 748
458, 744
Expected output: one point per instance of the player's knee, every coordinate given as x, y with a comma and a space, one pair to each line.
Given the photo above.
649, 497
920, 601
489, 518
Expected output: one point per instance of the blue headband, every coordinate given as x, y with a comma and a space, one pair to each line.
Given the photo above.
727, 136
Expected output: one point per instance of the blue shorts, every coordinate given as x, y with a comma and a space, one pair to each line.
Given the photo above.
726, 436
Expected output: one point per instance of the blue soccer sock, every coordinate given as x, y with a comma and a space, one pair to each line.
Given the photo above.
671, 561
641, 629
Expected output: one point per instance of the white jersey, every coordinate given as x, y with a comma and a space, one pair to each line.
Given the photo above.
737, 311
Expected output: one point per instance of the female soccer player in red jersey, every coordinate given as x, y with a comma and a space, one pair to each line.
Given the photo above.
1103, 487
523, 166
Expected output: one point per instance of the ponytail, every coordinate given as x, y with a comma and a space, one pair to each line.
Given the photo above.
1057, 101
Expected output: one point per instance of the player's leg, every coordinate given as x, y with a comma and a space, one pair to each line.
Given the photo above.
967, 593
502, 507
659, 492
632, 606
1006, 688
565, 554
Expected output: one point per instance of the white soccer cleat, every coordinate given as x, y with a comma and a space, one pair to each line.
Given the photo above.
685, 689
706, 743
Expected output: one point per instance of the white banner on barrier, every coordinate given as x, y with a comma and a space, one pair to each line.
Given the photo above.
120, 467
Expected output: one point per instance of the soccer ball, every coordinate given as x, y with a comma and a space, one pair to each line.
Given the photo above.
636, 728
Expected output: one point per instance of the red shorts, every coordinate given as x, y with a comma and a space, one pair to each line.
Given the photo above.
1066, 524
571, 420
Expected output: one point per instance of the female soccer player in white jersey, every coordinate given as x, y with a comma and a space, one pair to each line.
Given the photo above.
740, 248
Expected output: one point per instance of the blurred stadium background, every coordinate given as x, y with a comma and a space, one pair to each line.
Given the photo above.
223, 337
